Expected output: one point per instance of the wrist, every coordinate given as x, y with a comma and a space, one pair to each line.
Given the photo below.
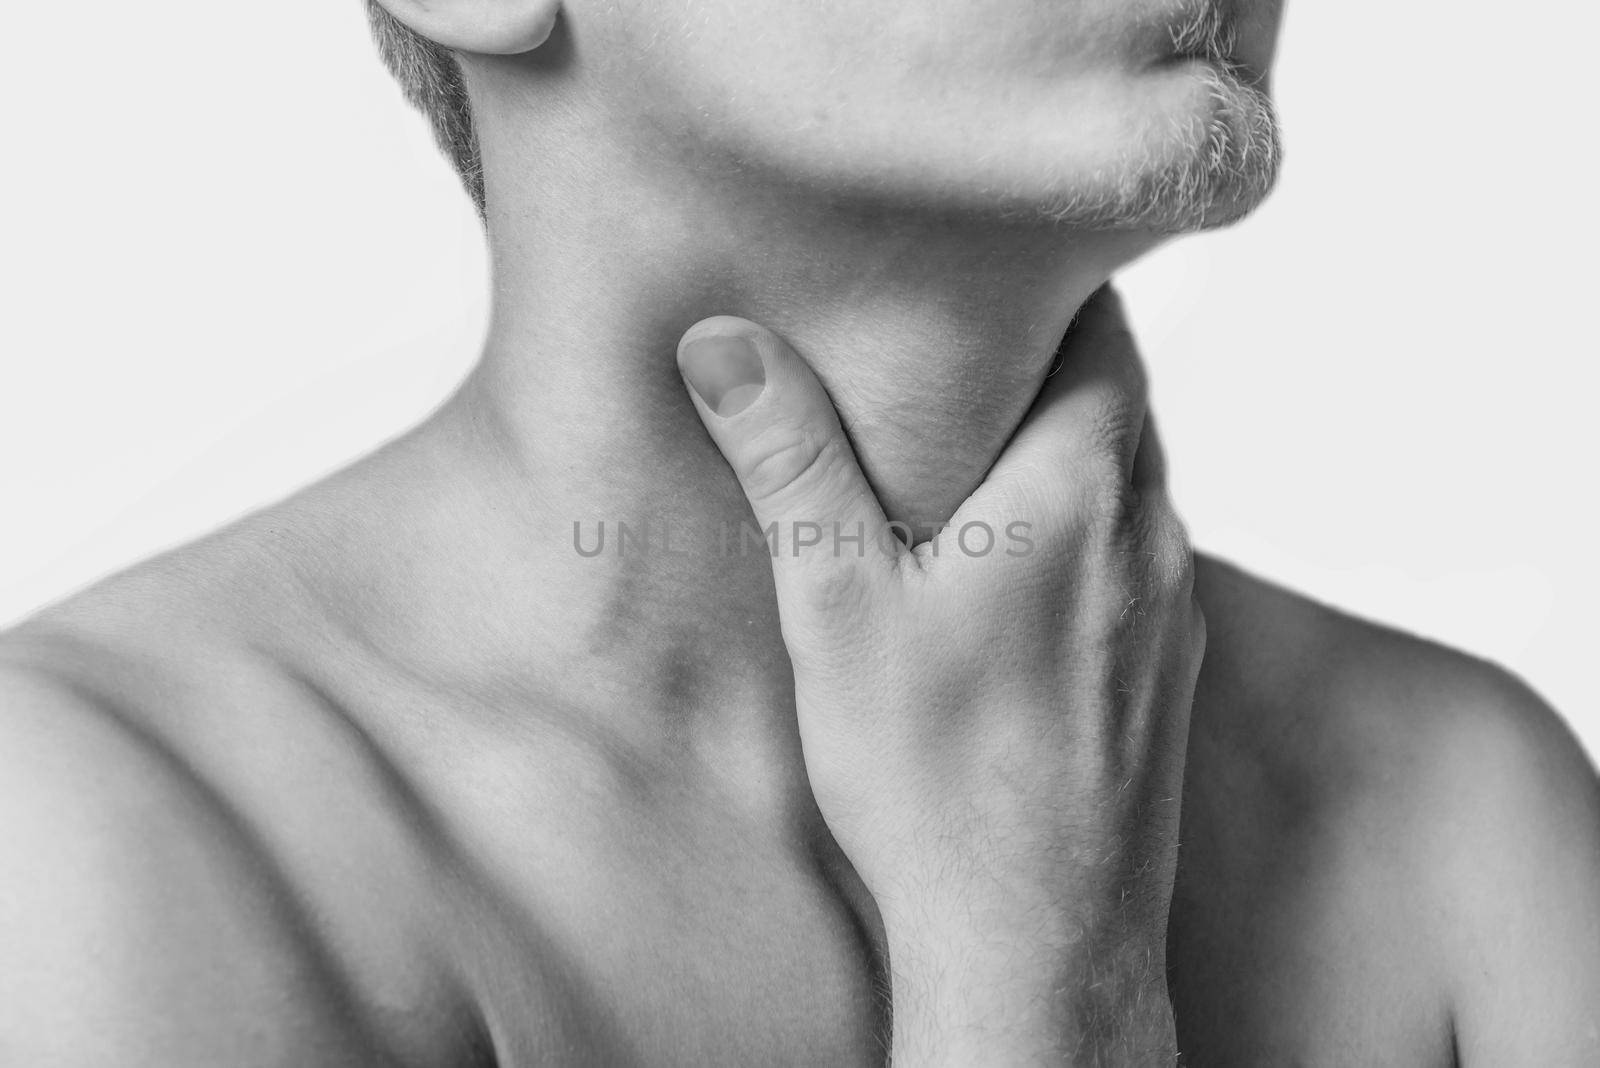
1037, 989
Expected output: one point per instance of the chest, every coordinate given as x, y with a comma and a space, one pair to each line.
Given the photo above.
652, 941
647, 932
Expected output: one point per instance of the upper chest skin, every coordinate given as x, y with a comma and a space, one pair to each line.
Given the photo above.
620, 916
551, 901
552, 904
650, 928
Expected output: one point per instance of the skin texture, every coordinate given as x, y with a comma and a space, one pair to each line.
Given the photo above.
389, 773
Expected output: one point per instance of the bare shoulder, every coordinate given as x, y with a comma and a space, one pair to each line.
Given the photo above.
142, 924
1357, 694
208, 858
1460, 808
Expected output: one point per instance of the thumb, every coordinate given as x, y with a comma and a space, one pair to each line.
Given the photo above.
780, 433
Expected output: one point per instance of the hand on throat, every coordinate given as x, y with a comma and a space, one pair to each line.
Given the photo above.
932, 333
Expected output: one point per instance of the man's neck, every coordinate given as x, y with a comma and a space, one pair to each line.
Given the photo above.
931, 334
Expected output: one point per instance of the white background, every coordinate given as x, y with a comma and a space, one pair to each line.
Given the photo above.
231, 260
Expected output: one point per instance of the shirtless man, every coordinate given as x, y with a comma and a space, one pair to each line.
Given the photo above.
401, 771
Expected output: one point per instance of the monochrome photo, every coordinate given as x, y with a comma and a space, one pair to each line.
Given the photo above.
799, 532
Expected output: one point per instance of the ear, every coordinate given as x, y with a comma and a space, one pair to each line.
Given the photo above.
487, 27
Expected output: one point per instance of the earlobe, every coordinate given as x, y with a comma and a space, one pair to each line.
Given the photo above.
487, 27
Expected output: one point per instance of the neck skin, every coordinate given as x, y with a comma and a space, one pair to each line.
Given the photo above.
931, 333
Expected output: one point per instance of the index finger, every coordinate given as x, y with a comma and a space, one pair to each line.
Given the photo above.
1085, 427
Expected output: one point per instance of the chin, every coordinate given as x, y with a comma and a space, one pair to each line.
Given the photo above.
1202, 150
1168, 147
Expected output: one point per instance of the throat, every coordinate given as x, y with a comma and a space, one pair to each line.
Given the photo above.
626, 515
931, 335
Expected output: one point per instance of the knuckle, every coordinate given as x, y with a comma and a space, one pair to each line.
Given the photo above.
824, 612
788, 457
1106, 492
1197, 627
1114, 423
1109, 500
1167, 543
1175, 556
833, 589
